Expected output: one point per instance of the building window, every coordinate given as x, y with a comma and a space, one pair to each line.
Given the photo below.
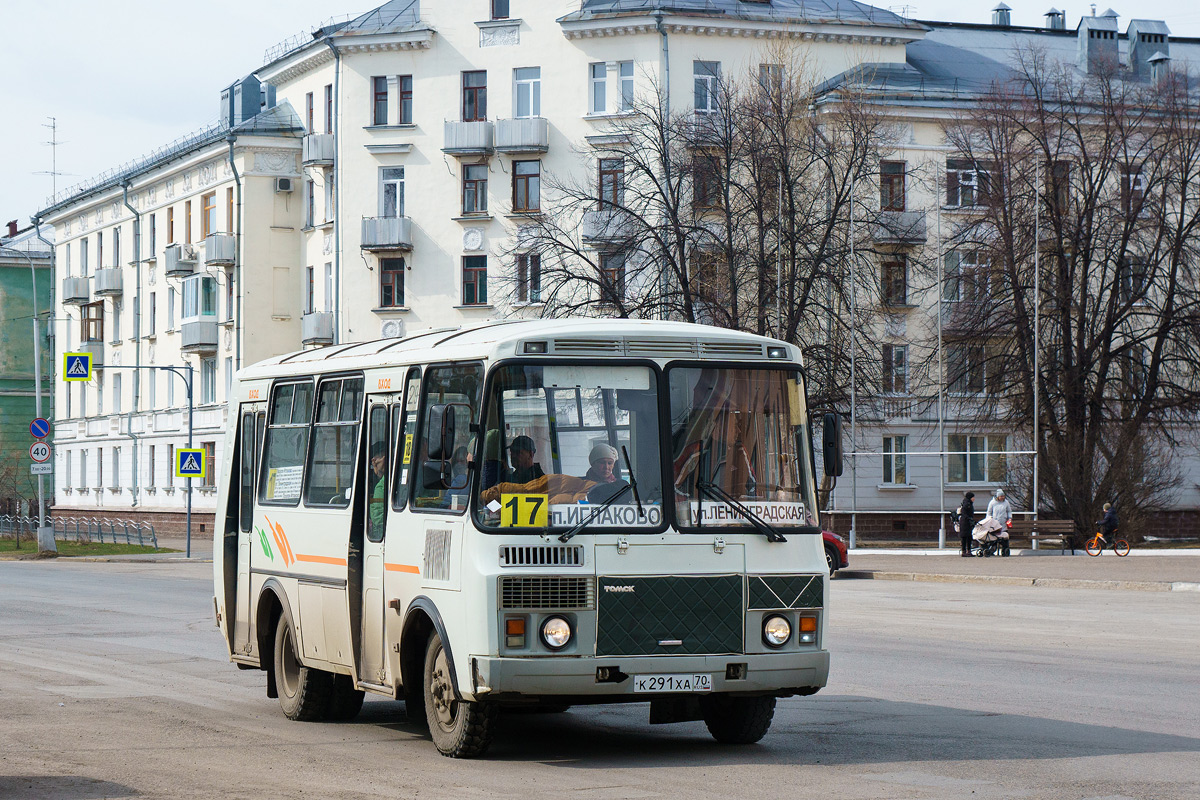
967, 370
208, 380
895, 458
330, 194
187, 221
625, 70
93, 322
230, 295
598, 81
1133, 190
770, 78
527, 180
406, 99
706, 75
170, 393
308, 113
976, 459
229, 209
83, 469
208, 214
153, 313
527, 92
391, 194
329, 108
967, 276
1133, 281
706, 181
151, 466
891, 185
153, 236
894, 280
379, 100
199, 297
171, 308
116, 237
116, 469
170, 465
210, 463
116, 393
309, 289
474, 103
228, 377
171, 225
309, 203
116, 321
152, 382
99, 249
328, 287
499, 9
474, 279
1058, 185
475, 181
391, 282
895, 368
529, 277
612, 181
100, 394
612, 278
67, 477
967, 183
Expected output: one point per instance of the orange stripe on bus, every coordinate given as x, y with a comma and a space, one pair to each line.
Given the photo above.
287, 545
338, 562
283, 553
402, 568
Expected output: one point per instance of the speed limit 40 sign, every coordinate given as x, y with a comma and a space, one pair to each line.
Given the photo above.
40, 452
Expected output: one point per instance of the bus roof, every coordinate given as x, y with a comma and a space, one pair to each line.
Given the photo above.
612, 338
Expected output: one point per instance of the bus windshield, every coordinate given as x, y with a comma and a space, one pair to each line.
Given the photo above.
556, 442
739, 438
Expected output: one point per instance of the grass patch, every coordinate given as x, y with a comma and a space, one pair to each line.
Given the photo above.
8, 545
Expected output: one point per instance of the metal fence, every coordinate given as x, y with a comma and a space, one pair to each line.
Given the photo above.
84, 529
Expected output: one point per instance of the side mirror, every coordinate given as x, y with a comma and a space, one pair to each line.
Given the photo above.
441, 430
831, 444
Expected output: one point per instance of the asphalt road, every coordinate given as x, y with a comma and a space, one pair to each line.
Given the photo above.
113, 683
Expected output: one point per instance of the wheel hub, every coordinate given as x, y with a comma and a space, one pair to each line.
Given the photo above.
442, 693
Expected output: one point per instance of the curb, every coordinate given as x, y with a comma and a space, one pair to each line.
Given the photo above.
1002, 580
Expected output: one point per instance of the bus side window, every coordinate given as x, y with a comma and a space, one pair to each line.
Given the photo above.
405, 429
460, 385
331, 457
286, 442
247, 462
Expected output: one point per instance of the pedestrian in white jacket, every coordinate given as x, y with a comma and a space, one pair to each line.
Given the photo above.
999, 508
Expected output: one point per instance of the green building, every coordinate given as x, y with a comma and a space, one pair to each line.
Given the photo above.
23, 259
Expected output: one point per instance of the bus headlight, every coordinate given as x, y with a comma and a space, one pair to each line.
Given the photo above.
556, 633
776, 631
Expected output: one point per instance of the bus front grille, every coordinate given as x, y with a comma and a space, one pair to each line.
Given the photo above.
546, 592
670, 615
565, 555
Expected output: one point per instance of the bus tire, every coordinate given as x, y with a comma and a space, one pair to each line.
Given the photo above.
304, 692
737, 720
459, 729
345, 701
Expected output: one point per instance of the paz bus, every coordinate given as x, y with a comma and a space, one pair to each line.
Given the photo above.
527, 514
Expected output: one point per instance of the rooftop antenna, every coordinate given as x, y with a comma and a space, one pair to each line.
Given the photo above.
54, 143
904, 11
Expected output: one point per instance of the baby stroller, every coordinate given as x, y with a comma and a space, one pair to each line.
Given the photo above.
989, 538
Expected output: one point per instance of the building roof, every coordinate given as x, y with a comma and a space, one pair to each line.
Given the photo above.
809, 11
27, 242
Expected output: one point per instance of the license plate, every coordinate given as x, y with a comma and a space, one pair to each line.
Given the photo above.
672, 683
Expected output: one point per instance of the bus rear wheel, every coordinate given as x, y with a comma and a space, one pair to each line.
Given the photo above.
304, 692
460, 729
737, 720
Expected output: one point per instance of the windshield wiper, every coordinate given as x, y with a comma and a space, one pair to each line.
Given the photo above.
760, 524
633, 483
568, 535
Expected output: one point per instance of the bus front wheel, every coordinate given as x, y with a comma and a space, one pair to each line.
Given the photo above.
304, 692
737, 720
459, 729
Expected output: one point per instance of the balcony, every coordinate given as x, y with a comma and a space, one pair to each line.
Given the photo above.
316, 328
97, 351
198, 336
317, 149
75, 291
179, 260
386, 233
607, 225
468, 138
220, 249
899, 227
516, 136
108, 282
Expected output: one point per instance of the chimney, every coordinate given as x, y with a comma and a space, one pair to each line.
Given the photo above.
1097, 42
12, 229
1056, 20
1002, 16
1148, 38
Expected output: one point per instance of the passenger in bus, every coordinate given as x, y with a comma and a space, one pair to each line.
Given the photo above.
378, 461
493, 466
603, 458
524, 468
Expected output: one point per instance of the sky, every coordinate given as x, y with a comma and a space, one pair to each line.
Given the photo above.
124, 77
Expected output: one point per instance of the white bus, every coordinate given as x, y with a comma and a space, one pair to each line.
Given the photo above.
527, 513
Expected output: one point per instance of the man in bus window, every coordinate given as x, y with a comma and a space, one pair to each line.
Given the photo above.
378, 462
524, 469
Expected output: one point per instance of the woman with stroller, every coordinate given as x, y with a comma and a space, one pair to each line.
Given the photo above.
1000, 510
966, 521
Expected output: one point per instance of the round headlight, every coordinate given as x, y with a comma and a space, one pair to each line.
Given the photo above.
776, 631
556, 632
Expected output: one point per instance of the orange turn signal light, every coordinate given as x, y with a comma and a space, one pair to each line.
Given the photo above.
514, 626
808, 624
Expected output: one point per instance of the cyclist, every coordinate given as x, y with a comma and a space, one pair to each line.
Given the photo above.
1108, 525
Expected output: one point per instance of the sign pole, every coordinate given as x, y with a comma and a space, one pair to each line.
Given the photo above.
191, 411
45, 534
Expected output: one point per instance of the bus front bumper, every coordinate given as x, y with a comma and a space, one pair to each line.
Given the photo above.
771, 673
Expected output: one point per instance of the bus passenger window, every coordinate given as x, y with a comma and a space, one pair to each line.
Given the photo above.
246, 463
461, 386
286, 444
377, 460
406, 430
335, 443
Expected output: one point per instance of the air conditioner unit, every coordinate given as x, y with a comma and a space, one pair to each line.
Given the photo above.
284, 185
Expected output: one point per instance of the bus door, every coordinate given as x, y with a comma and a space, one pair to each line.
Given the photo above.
380, 443
250, 432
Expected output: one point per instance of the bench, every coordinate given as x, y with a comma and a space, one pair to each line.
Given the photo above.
1060, 531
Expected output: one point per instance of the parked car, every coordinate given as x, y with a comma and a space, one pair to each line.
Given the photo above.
837, 554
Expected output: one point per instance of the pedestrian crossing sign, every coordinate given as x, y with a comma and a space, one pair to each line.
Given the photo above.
77, 366
189, 463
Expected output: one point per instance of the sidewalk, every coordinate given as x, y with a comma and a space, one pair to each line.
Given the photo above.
1156, 571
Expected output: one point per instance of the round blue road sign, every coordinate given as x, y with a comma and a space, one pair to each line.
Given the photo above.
40, 428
